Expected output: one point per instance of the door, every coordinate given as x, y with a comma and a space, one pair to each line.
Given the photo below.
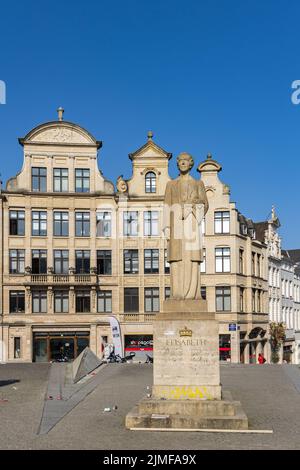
62, 349
40, 350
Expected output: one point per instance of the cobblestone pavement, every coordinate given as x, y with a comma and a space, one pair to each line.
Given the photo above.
268, 395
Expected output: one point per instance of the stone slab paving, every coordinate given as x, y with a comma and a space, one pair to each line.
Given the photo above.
268, 396
63, 395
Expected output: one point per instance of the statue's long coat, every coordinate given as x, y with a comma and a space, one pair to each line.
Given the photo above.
176, 212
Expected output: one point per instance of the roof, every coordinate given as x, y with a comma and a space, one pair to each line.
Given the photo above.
147, 145
294, 255
260, 228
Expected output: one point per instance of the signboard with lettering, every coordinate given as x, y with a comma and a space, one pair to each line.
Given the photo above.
232, 327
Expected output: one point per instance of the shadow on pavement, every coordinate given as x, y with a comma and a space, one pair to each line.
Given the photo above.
4, 383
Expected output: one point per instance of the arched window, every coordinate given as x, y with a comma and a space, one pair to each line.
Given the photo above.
150, 182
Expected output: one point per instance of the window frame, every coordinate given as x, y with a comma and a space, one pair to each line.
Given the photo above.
133, 261
61, 222
17, 294
106, 296
83, 223
61, 179
40, 220
222, 220
41, 179
85, 265
107, 262
151, 224
130, 225
18, 259
131, 299
100, 229
153, 258
150, 182
17, 223
82, 178
152, 297
223, 296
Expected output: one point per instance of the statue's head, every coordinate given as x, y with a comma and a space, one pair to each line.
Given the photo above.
185, 162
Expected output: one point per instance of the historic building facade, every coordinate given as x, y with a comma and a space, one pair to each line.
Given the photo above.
75, 251
290, 286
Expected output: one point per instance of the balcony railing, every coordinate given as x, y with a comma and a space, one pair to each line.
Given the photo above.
61, 279
137, 317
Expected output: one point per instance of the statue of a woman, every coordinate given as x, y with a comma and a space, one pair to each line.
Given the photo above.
185, 205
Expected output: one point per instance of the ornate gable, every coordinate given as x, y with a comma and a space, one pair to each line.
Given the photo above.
59, 132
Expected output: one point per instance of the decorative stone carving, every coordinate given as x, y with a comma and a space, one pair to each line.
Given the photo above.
122, 186
226, 189
61, 134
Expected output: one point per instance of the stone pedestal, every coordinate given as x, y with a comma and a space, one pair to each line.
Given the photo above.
186, 389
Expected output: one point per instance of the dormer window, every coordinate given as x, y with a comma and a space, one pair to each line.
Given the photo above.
243, 229
150, 182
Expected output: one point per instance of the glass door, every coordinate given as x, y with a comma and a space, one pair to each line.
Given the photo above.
61, 349
40, 350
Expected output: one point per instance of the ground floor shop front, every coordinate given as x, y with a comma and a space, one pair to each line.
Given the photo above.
47, 342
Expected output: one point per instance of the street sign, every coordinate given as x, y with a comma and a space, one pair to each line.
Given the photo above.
232, 326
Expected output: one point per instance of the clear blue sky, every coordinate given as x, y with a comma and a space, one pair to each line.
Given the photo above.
205, 76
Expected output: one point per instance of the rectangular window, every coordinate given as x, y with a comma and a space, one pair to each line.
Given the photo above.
39, 179
241, 261
103, 224
61, 224
17, 347
60, 180
151, 261
130, 224
203, 227
167, 292
222, 260
39, 223
167, 264
83, 262
242, 301
39, 301
203, 292
61, 301
105, 301
16, 261
150, 223
82, 224
17, 301
82, 180
258, 265
151, 299
222, 222
131, 261
259, 301
203, 264
131, 299
83, 302
39, 261
17, 222
104, 262
253, 263
61, 261
253, 301
223, 299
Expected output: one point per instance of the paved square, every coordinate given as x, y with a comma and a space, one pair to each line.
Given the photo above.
270, 395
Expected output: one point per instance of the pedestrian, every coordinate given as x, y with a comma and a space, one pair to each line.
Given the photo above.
261, 359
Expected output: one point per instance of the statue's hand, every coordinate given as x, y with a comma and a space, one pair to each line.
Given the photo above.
167, 233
